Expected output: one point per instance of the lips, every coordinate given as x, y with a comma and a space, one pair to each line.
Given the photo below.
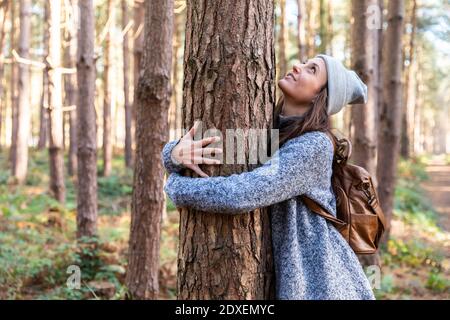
291, 75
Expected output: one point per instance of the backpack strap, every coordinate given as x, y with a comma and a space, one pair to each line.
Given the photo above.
318, 209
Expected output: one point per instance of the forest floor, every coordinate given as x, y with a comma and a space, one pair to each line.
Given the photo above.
424, 271
37, 236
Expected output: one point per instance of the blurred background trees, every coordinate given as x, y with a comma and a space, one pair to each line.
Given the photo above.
76, 124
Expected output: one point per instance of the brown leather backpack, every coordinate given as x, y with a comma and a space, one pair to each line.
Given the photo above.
360, 218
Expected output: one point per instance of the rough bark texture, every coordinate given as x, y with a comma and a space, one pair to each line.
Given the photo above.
229, 83
70, 84
390, 113
154, 90
23, 107
107, 133
365, 63
86, 118
126, 85
43, 116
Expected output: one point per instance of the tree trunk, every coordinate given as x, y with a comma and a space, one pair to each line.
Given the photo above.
138, 44
107, 139
13, 36
174, 106
86, 128
4, 6
365, 63
228, 88
23, 107
405, 145
390, 113
301, 37
154, 90
70, 83
322, 27
282, 62
43, 112
126, 86
57, 186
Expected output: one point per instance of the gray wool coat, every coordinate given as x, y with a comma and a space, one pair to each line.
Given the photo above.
312, 260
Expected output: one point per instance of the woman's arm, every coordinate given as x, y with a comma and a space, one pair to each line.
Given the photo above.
170, 164
293, 170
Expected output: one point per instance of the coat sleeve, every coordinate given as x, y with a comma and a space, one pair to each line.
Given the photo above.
170, 164
300, 164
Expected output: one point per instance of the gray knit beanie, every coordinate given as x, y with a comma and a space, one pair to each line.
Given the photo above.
344, 86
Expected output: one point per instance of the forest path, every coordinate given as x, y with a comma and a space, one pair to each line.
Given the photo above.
438, 189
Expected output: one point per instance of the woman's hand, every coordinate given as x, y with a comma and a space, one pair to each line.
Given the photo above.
191, 153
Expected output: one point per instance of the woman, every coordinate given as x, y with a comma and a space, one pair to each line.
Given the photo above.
312, 259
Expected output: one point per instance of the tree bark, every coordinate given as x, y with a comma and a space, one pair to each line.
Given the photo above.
86, 124
70, 83
138, 44
23, 108
4, 6
322, 27
126, 86
153, 93
107, 138
43, 113
365, 63
405, 146
229, 84
13, 36
390, 113
282, 61
301, 37
56, 158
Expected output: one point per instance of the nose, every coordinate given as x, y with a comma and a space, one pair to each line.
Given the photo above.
296, 68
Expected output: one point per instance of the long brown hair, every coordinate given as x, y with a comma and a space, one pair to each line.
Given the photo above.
315, 119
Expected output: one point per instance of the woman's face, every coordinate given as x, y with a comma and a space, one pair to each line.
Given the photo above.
304, 81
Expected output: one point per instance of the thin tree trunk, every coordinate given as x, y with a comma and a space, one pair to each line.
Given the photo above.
154, 90
43, 114
138, 44
126, 86
330, 31
282, 62
174, 107
322, 27
365, 63
208, 249
4, 6
405, 146
390, 113
107, 138
70, 83
310, 27
57, 186
301, 37
23, 107
13, 36
86, 124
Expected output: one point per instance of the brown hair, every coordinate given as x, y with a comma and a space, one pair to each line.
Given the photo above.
315, 119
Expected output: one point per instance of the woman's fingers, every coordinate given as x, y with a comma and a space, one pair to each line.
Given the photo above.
193, 130
210, 151
203, 160
208, 140
197, 170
